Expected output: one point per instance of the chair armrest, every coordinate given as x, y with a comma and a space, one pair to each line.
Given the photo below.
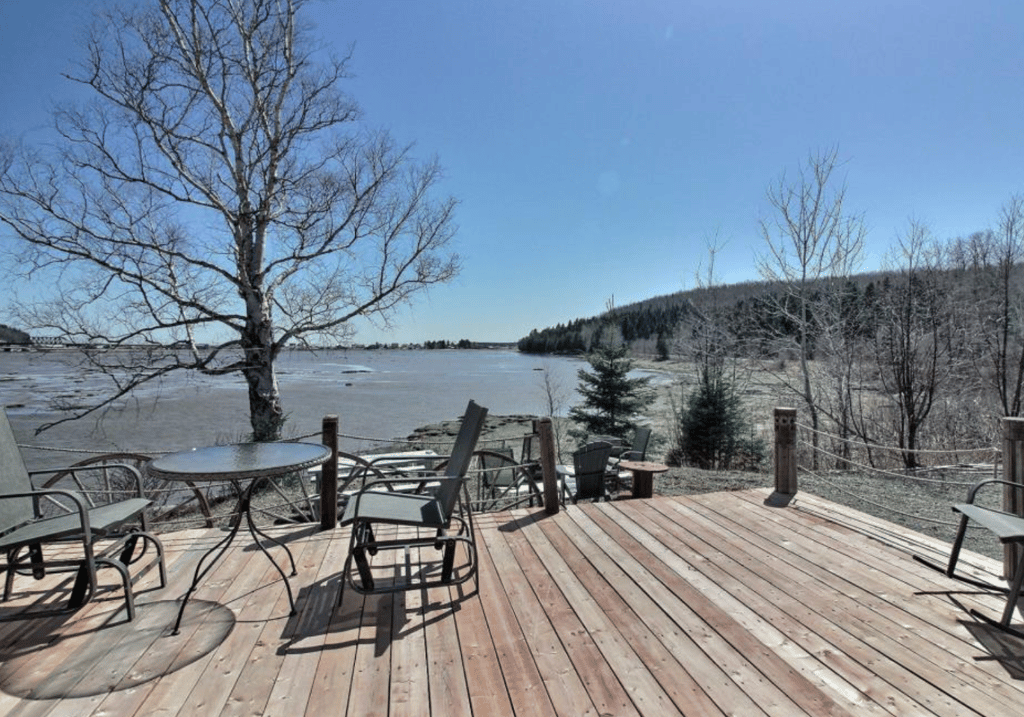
83, 509
74, 470
990, 481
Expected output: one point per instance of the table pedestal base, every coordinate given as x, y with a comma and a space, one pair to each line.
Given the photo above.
243, 509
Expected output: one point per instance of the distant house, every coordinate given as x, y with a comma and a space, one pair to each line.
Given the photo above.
48, 341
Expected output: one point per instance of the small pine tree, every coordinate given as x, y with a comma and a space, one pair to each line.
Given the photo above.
661, 346
713, 432
610, 397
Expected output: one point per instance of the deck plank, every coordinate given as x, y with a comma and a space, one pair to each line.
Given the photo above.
521, 675
547, 623
874, 618
712, 604
774, 685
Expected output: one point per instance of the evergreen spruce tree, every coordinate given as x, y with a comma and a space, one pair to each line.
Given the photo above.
713, 430
610, 397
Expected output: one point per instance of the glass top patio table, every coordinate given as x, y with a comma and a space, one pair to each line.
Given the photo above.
242, 461
250, 463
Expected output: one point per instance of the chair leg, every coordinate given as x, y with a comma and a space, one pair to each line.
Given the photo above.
954, 554
363, 535
81, 588
1014, 594
448, 562
128, 551
35, 554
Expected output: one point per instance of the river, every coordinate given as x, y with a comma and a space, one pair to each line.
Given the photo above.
376, 394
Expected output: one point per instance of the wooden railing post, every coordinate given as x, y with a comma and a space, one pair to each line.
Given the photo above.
785, 451
1013, 472
546, 433
329, 475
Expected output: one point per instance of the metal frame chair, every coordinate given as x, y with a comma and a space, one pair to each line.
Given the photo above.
1008, 528
24, 531
501, 478
446, 503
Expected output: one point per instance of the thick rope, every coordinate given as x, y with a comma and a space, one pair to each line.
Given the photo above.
880, 506
889, 474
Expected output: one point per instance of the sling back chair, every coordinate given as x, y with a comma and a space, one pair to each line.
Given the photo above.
1008, 528
502, 479
637, 451
585, 480
32, 518
420, 521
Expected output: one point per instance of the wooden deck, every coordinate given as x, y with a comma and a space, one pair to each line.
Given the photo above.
713, 604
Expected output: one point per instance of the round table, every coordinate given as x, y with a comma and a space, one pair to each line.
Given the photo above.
643, 476
244, 466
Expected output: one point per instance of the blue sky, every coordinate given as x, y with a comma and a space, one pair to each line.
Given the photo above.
596, 145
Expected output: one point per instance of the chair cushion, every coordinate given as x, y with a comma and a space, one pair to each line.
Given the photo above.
1008, 528
102, 519
394, 508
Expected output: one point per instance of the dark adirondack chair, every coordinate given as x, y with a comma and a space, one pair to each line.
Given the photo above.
71, 518
589, 470
375, 507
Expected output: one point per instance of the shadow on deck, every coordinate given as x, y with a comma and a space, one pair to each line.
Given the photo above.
722, 603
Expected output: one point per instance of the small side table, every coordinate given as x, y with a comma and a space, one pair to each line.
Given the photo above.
643, 476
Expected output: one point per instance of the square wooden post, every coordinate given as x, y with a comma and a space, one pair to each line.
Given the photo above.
329, 475
1013, 472
785, 451
547, 465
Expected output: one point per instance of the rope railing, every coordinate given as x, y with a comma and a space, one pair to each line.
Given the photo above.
880, 506
918, 497
892, 475
896, 449
205, 504
375, 440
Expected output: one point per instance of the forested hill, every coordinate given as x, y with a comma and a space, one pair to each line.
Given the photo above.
650, 326
10, 335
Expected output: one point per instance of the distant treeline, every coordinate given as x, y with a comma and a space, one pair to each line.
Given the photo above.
749, 312
9, 335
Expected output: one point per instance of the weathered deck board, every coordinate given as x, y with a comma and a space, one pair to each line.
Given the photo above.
713, 604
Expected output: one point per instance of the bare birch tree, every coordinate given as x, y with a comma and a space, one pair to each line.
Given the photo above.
990, 263
218, 199
812, 246
912, 345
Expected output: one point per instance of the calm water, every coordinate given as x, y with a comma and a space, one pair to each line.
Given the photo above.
376, 394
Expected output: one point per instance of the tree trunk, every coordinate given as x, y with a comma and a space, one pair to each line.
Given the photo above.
265, 413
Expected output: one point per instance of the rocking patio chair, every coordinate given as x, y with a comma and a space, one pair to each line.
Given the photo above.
1008, 528
374, 507
25, 530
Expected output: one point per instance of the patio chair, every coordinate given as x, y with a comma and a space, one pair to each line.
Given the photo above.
1008, 528
374, 507
585, 480
637, 451
502, 478
31, 519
